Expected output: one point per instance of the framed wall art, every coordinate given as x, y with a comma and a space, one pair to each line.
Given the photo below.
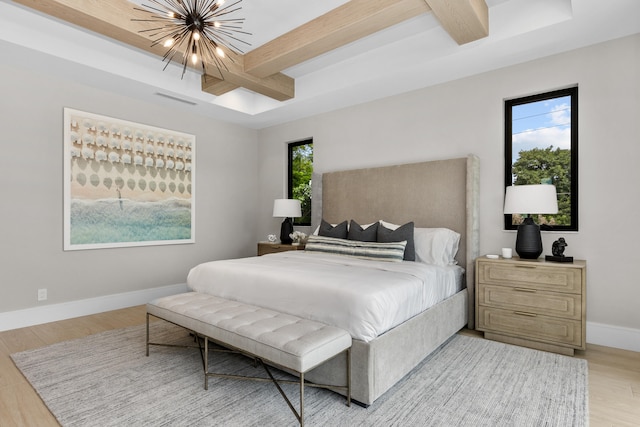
126, 184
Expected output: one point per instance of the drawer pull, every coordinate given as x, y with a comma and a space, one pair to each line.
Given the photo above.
531, 291
525, 266
523, 313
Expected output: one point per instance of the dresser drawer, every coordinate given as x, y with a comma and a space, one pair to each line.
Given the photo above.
531, 326
528, 300
531, 276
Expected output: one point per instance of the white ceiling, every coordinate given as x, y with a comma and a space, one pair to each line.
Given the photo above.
414, 54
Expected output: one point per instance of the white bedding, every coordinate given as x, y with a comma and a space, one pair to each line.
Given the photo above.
364, 297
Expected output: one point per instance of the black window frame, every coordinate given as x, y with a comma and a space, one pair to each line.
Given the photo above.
508, 172
290, 148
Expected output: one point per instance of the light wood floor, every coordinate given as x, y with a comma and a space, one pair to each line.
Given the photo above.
614, 375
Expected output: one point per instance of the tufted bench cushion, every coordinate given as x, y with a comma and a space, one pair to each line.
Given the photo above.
286, 340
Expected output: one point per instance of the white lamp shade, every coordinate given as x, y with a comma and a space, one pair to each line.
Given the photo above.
287, 208
531, 199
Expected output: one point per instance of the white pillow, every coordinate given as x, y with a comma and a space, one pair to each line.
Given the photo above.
437, 246
389, 225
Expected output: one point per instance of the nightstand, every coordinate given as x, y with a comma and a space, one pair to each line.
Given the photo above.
532, 303
271, 248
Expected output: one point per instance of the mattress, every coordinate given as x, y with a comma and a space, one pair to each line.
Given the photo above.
364, 297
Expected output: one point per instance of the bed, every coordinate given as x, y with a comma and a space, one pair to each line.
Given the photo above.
392, 339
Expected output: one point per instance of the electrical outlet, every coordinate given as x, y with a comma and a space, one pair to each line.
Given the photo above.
42, 294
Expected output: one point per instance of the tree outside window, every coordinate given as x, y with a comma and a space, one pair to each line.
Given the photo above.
300, 172
541, 147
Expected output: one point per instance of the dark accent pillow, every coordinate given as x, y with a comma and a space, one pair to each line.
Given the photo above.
404, 232
369, 234
328, 230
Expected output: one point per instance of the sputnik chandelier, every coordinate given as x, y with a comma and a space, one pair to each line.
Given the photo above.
196, 31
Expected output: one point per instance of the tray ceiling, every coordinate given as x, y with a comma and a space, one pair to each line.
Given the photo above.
307, 57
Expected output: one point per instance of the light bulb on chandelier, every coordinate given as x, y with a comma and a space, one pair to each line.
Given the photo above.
197, 30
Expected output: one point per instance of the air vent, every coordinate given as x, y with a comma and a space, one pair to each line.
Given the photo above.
175, 98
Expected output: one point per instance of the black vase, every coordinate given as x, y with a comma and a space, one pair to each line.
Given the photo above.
285, 230
529, 241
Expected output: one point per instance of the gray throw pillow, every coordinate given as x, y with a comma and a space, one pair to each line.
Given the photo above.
328, 230
404, 232
369, 234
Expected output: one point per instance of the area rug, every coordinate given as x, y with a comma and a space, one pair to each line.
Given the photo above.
106, 380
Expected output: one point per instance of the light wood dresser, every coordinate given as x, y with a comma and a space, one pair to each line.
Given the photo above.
532, 303
271, 248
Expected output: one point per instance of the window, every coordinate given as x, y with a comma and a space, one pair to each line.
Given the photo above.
300, 171
541, 147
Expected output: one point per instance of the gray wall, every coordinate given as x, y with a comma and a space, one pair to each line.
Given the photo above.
31, 206
466, 116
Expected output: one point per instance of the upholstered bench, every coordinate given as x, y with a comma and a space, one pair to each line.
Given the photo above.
278, 339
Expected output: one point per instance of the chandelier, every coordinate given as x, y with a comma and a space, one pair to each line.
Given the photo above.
195, 31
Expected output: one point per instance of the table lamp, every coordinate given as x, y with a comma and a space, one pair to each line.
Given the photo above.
527, 200
287, 209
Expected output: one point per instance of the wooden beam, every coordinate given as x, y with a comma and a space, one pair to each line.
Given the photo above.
464, 20
216, 86
277, 86
259, 70
113, 19
343, 25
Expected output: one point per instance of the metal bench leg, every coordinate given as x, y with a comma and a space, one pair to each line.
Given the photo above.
349, 377
301, 399
147, 334
206, 363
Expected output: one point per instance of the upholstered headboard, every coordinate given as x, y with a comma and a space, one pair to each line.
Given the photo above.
442, 193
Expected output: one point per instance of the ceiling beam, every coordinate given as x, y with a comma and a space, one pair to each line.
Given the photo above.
464, 20
345, 24
277, 86
113, 19
216, 86
260, 69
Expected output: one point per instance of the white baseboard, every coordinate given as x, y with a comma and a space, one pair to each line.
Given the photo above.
54, 312
613, 336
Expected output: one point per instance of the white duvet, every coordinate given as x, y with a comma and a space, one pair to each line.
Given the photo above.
365, 298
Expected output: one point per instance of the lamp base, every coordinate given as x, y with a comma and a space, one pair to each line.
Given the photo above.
285, 230
529, 242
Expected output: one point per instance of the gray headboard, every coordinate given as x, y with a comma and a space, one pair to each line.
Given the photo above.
441, 193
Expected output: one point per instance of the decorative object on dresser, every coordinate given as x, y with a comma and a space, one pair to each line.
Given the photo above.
287, 209
530, 199
507, 253
272, 248
558, 252
298, 237
532, 303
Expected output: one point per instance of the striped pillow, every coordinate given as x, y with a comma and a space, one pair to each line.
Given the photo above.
393, 251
